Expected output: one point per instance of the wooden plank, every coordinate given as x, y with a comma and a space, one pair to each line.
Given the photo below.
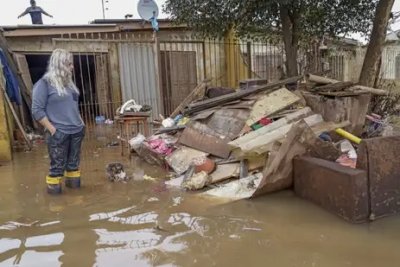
264, 143
373, 91
320, 79
27, 141
196, 93
202, 105
205, 142
277, 174
271, 103
23, 67
224, 172
342, 94
333, 87
300, 114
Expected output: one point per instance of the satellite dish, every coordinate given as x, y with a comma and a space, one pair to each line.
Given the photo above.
146, 9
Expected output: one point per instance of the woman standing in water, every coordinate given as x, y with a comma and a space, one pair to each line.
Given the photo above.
55, 106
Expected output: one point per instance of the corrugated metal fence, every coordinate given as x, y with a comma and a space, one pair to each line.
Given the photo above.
139, 79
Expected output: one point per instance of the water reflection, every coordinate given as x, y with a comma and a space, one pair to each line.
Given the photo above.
42, 250
45, 240
34, 259
144, 218
112, 224
138, 246
7, 244
108, 215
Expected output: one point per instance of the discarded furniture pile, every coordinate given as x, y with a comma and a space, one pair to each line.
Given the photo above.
265, 137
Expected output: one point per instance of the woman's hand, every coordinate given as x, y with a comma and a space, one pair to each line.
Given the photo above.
48, 125
52, 130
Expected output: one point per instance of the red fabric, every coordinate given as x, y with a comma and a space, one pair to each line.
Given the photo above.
265, 121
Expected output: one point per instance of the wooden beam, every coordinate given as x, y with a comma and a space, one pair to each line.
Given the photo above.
320, 79
368, 90
27, 141
196, 93
333, 87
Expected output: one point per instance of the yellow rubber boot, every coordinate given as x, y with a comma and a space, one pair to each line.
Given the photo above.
72, 179
53, 185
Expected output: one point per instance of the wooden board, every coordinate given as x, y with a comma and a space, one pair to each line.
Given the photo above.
295, 116
220, 100
271, 103
265, 143
224, 172
342, 94
23, 67
301, 139
205, 142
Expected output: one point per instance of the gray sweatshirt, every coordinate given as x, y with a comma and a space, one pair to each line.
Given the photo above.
62, 111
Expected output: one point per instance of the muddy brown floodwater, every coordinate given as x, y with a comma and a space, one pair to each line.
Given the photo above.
141, 223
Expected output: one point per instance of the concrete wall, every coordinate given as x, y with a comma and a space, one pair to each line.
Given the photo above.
388, 69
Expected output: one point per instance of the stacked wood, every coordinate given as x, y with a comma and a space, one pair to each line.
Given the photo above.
217, 101
334, 88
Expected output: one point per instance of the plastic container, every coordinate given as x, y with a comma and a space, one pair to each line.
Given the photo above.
100, 119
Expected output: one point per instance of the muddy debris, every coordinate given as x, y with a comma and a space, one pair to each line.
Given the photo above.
115, 172
242, 143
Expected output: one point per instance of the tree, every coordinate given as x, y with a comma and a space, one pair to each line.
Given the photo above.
369, 71
293, 21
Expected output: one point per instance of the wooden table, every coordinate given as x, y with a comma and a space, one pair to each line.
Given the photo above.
125, 126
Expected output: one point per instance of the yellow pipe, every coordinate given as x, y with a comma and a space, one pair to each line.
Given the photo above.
348, 136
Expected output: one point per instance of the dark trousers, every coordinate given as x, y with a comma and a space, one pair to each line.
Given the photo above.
64, 152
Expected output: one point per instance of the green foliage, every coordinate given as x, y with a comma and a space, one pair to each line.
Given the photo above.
262, 17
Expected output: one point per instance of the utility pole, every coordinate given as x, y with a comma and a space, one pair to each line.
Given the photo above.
104, 12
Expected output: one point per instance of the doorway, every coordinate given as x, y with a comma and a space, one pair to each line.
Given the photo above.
91, 78
179, 77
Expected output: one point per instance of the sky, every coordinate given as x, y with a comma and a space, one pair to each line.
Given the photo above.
69, 11
82, 11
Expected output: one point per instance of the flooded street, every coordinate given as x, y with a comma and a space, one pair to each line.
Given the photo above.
142, 223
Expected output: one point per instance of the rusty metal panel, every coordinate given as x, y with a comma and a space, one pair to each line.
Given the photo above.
380, 158
340, 190
138, 75
223, 123
205, 142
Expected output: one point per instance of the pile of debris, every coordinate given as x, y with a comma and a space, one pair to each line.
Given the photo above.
241, 143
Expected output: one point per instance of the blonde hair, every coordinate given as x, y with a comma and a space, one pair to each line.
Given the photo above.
58, 74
